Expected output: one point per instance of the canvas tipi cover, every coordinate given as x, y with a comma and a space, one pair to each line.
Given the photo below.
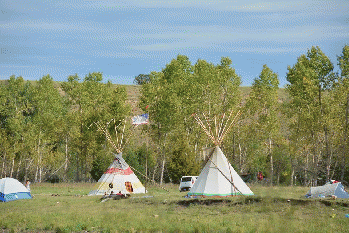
11, 190
122, 178
218, 178
328, 189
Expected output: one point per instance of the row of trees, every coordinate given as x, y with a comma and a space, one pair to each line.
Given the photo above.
301, 140
47, 128
48, 131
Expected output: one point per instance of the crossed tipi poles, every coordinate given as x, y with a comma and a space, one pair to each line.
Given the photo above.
216, 133
119, 143
220, 129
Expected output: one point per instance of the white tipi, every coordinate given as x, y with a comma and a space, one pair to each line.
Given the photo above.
119, 176
218, 177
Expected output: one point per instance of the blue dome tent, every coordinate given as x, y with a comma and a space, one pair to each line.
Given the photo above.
11, 190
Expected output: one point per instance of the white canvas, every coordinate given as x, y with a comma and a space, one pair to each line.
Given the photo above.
328, 189
11, 189
218, 178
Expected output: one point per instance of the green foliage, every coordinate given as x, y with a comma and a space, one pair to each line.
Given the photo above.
311, 84
343, 61
99, 166
182, 89
140, 158
183, 160
297, 136
141, 79
92, 101
263, 109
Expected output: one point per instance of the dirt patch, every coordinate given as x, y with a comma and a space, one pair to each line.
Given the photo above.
252, 200
217, 201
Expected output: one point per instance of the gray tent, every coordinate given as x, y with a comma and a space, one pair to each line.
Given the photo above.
336, 189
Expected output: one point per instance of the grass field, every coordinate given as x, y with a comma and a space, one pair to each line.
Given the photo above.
67, 208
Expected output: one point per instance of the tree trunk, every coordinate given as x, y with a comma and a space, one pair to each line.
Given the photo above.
328, 154
40, 173
306, 169
18, 168
36, 173
271, 164
345, 139
240, 156
13, 165
39, 160
3, 169
66, 159
154, 172
292, 176
162, 171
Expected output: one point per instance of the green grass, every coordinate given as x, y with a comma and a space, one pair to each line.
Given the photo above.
67, 208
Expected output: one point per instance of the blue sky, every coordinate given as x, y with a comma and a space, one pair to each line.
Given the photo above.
129, 37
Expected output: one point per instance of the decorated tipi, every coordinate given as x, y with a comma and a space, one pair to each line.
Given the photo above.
218, 177
119, 176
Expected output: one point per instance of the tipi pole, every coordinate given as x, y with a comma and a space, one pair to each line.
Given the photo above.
223, 130
209, 126
225, 176
221, 125
216, 127
204, 128
147, 177
231, 124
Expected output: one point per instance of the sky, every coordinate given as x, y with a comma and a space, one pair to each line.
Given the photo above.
125, 38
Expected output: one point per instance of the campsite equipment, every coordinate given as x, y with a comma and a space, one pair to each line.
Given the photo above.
328, 190
218, 177
118, 177
11, 190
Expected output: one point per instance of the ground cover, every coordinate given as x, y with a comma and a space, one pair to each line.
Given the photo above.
67, 208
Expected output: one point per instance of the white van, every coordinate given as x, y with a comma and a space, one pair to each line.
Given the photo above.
187, 182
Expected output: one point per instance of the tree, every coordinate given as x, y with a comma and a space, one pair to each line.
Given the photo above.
341, 99
180, 90
48, 114
343, 62
311, 79
262, 106
92, 101
15, 115
142, 79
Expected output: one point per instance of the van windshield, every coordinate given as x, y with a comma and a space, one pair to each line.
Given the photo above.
186, 179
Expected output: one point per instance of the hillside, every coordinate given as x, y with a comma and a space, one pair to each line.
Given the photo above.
133, 93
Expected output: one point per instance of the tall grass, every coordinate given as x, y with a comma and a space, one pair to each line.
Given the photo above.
67, 208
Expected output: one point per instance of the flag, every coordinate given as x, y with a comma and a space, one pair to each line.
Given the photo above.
140, 119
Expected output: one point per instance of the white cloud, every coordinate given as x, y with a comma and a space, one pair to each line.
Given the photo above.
224, 5
205, 37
